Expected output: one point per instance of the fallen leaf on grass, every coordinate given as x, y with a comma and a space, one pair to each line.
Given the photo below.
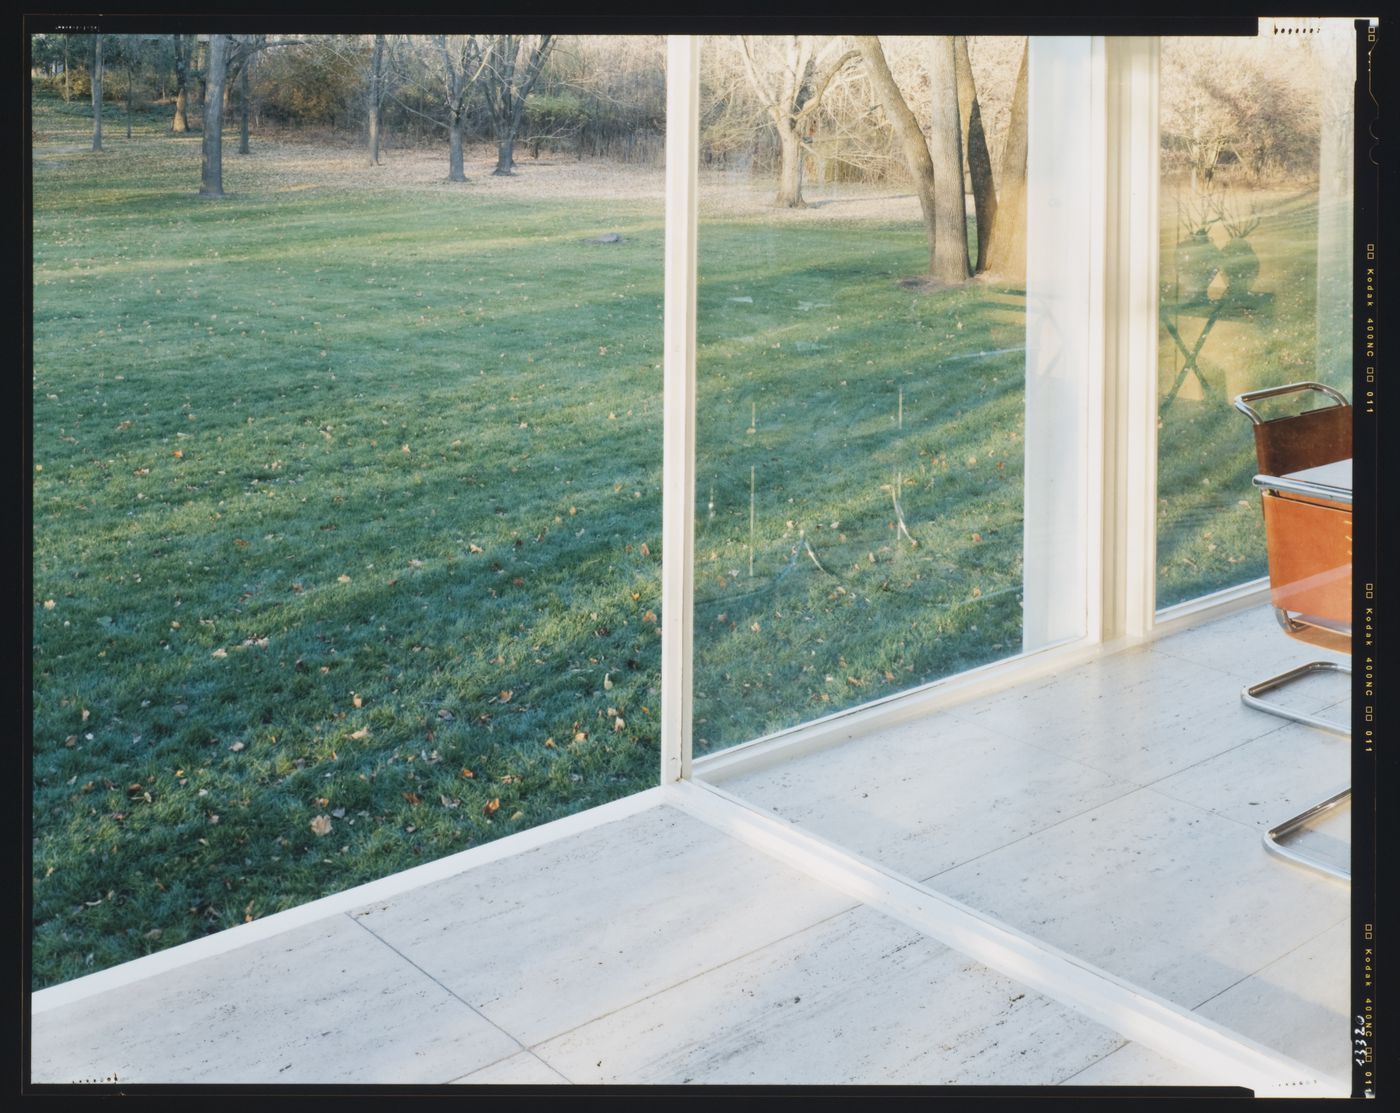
321, 825
413, 798
236, 747
358, 701
342, 579
468, 774
363, 732
220, 652
492, 806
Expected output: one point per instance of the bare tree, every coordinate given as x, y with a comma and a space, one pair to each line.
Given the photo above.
376, 96
212, 166
1006, 242
184, 48
97, 92
946, 149
228, 54
947, 261
791, 92
513, 66
462, 62
979, 159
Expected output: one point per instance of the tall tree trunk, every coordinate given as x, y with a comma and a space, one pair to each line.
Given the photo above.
979, 159
97, 92
128, 96
376, 96
950, 262
181, 123
790, 172
67, 76
243, 90
456, 172
505, 154
212, 168
1006, 246
906, 129
201, 77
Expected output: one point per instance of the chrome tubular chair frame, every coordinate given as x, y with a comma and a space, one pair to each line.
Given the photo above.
1298, 627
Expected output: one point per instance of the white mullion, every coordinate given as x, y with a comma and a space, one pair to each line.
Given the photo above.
678, 477
1061, 366
1095, 446
1130, 331
1141, 550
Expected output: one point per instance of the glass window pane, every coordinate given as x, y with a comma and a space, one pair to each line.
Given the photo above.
861, 428
347, 484
1256, 164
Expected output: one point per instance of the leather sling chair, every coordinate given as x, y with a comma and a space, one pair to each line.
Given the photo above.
1309, 550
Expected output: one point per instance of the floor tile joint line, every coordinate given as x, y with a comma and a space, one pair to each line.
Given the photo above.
456, 997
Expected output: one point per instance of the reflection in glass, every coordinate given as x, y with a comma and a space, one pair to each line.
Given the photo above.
1255, 268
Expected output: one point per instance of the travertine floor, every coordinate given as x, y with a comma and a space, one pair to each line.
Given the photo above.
1113, 812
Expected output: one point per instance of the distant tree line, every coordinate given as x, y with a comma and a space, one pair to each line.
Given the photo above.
1237, 112
943, 113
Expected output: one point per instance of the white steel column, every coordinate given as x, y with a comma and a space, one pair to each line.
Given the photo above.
1130, 334
678, 478
1061, 358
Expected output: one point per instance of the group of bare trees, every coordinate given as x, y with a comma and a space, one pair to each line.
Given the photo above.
948, 118
503, 67
943, 148
790, 77
482, 83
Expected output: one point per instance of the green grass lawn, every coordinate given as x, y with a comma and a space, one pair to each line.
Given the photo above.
340, 502
822, 384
